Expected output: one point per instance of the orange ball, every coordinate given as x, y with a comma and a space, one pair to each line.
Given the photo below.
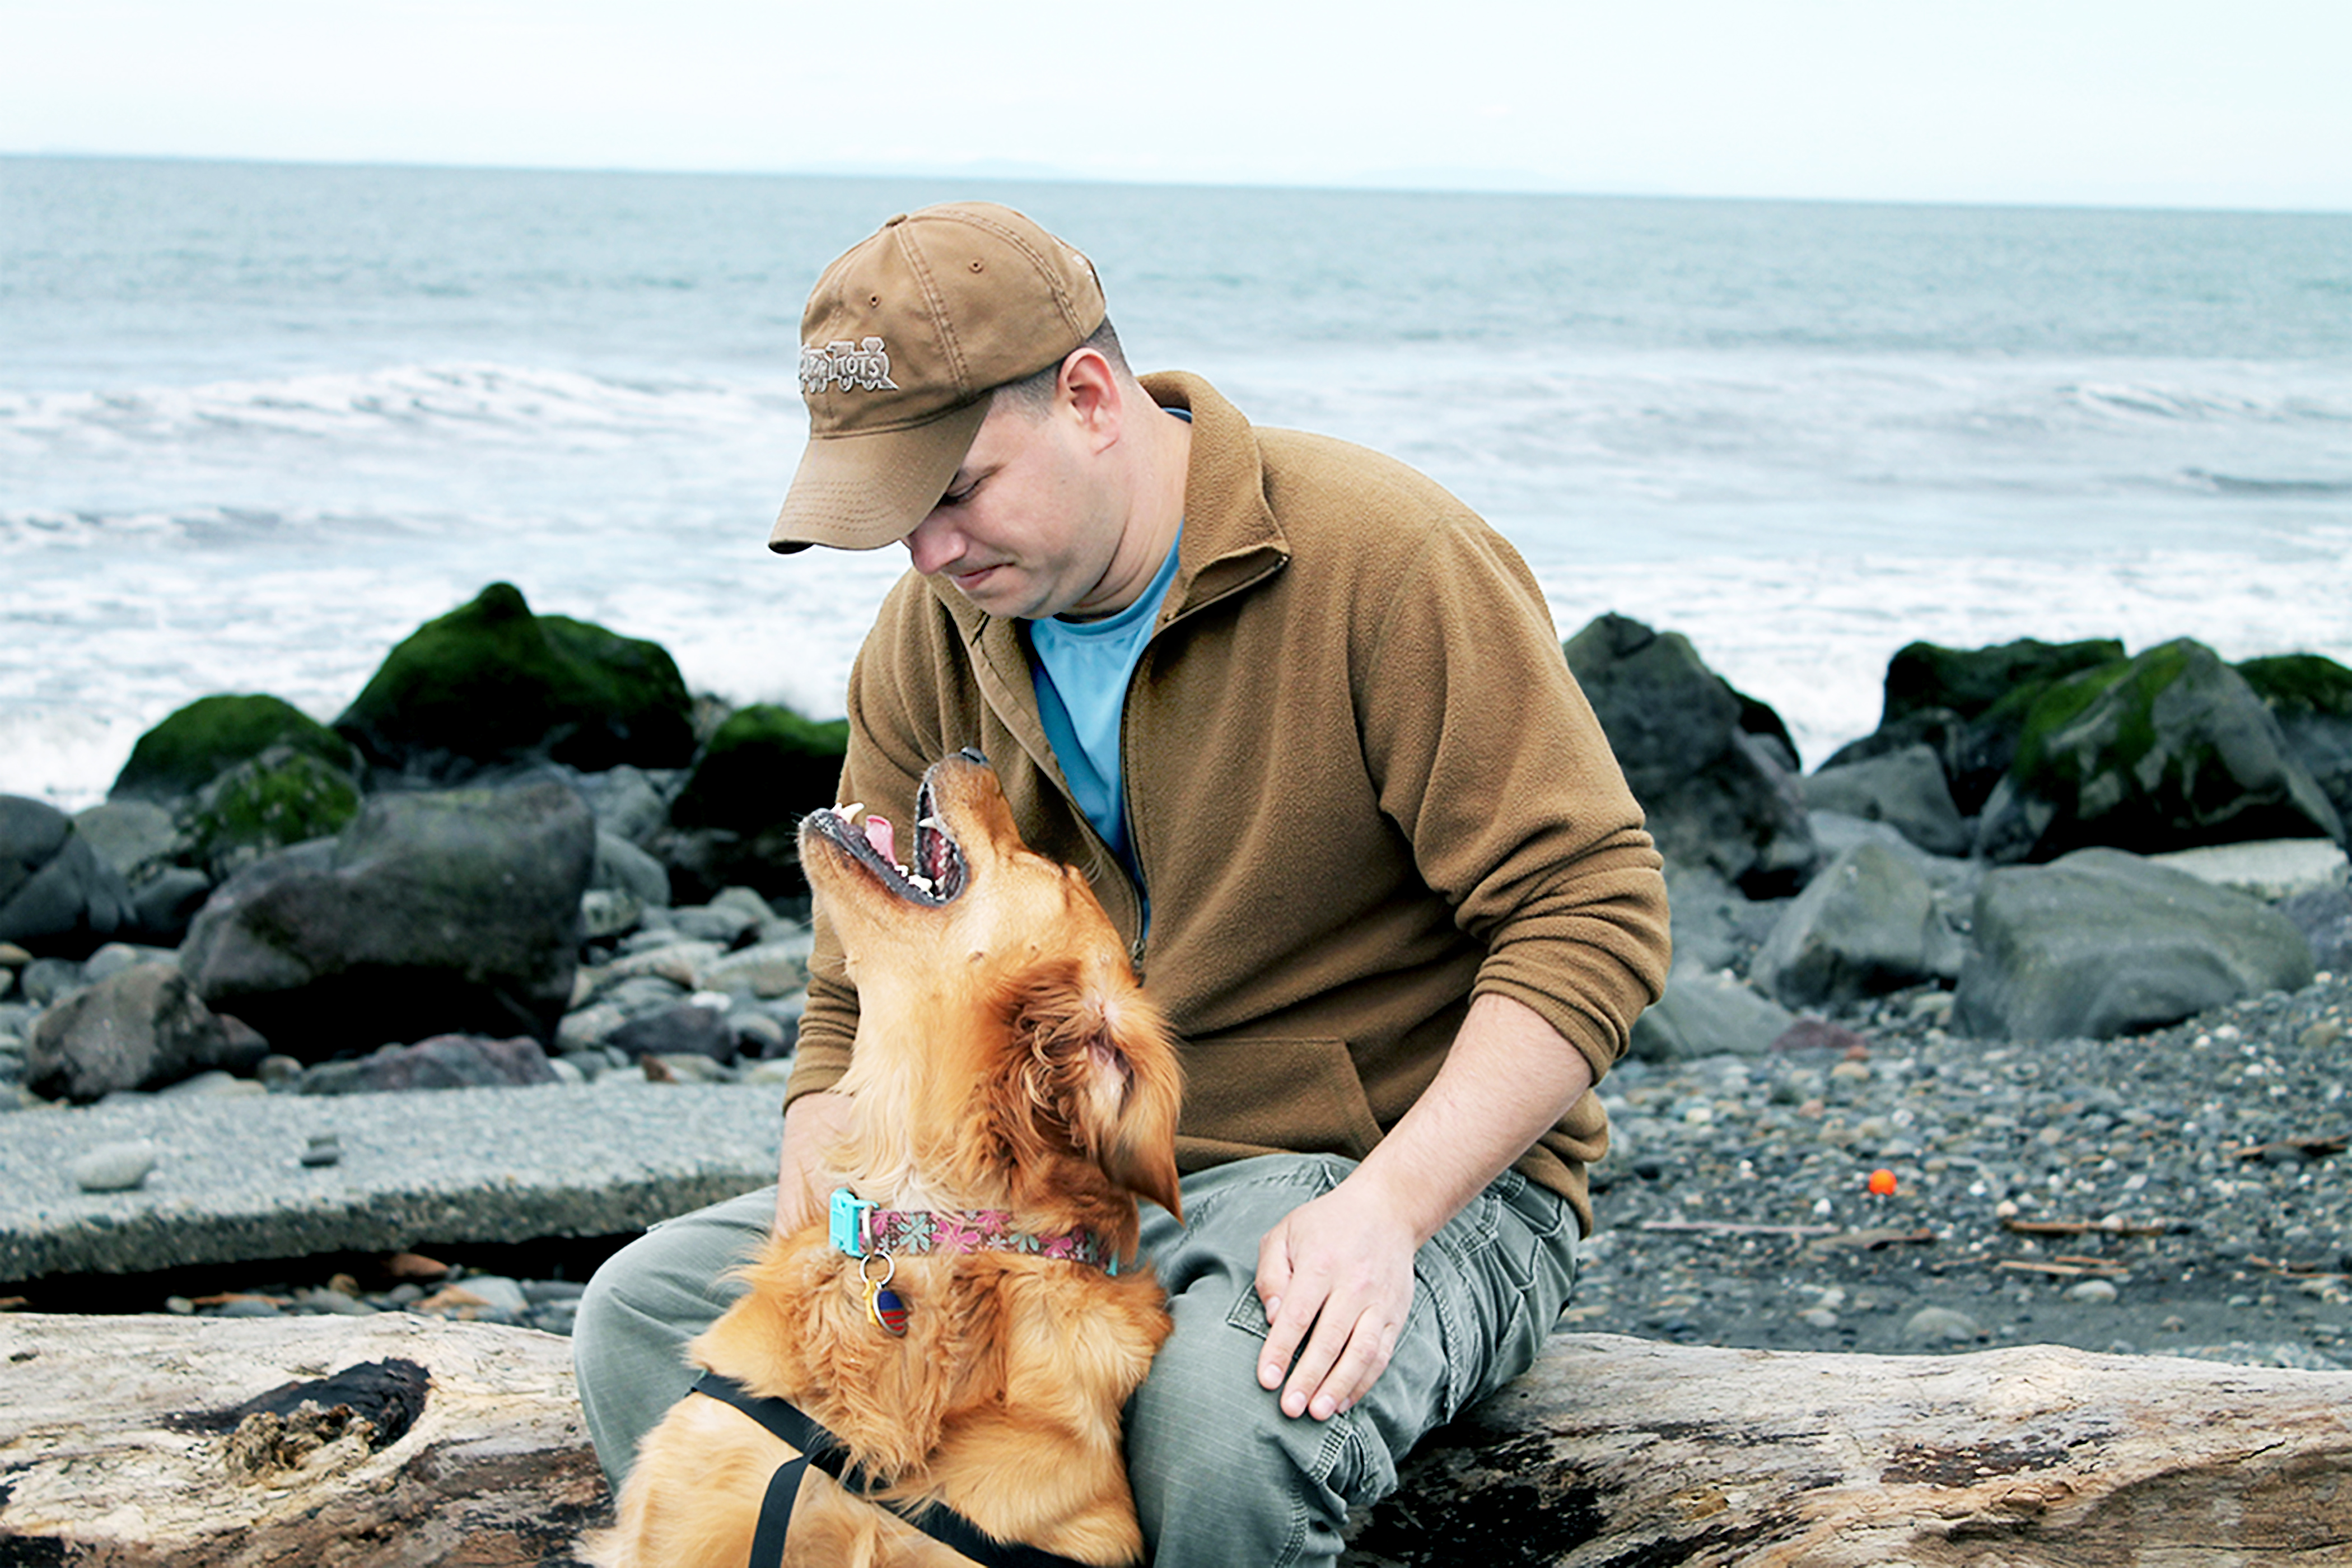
1883, 1183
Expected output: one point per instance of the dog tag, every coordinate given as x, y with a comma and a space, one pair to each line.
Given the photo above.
886, 1309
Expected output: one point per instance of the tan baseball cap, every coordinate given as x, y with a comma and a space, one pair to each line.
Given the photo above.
903, 339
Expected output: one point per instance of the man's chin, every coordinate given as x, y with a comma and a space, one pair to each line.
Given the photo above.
1005, 591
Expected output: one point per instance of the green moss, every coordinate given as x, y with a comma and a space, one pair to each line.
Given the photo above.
280, 798
1974, 682
213, 734
2299, 684
490, 682
766, 767
2042, 758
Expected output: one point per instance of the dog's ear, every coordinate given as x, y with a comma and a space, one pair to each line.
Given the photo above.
1102, 1063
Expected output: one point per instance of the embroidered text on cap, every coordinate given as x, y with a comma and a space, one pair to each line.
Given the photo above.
854, 367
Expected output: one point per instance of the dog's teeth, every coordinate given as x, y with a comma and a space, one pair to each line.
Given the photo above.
933, 823
849, 813
916, 880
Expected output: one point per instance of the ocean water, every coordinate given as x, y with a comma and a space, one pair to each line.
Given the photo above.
257, 422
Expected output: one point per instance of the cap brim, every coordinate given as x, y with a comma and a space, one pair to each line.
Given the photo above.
865, 491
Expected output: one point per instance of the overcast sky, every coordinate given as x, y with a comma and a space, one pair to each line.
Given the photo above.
2144, 102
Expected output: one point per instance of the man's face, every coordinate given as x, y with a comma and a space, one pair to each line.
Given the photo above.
1022, 529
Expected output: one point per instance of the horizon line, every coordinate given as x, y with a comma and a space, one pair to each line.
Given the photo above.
1465, 182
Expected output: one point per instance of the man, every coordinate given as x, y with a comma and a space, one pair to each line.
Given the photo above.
1305, 721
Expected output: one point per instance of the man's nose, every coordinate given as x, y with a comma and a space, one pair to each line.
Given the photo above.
932, 544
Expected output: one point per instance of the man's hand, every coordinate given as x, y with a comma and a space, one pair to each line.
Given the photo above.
1336, 1274
1336, 1277
810, 1126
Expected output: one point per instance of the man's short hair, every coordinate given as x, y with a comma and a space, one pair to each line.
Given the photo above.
1034, 393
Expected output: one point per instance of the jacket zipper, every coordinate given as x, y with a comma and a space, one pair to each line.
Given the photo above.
1168, 621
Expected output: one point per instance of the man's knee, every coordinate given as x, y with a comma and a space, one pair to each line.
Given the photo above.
640, 1310
1216, 1467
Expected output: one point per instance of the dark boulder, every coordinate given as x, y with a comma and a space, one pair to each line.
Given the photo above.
1867, 925
213, 734
141, 1028
59, 896
2311, 697
1905, 789
432, 913
490, 686
1711, 767
136, 837
2170, 750
2324, 915
142, 840
736, 821
2103, 943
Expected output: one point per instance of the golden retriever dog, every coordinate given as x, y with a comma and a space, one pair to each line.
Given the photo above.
973, 1336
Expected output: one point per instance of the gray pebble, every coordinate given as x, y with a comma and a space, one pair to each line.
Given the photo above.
1931, 1324
503, 1295
115, 1167
331, 1303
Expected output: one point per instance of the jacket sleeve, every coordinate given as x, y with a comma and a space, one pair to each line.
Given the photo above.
1488, 756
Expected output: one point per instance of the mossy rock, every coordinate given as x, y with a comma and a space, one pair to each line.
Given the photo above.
279, 798
492, 685
736, 821
2169, 750
1973, 682
2311, 696
766, 764
213, 734
2300, 685
1968, 706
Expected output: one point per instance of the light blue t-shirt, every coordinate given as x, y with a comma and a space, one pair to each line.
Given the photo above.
1082, 671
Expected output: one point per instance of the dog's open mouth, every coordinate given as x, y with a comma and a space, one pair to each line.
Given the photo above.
934, 872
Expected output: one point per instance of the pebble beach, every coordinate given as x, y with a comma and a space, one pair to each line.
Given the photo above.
2186, 1192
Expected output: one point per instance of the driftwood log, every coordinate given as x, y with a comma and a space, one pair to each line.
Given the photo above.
137, 1442
1623, 1453
132, 1442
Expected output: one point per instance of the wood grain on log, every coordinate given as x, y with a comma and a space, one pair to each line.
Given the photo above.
1623, 1453
145, 1442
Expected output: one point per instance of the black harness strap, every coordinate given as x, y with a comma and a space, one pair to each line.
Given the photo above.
776, 1514
820, 1447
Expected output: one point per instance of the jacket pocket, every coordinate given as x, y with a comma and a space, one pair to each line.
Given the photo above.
1245, 1095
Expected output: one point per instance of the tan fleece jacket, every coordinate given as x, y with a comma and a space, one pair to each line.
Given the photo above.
1362, 786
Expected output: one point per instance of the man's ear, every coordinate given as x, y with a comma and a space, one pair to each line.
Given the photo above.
1090, 388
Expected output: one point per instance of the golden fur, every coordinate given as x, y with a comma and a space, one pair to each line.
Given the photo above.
1005, 1060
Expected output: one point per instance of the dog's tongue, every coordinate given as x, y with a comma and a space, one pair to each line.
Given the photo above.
878, 834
